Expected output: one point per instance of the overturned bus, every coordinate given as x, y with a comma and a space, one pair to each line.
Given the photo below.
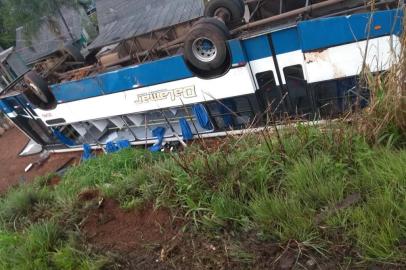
224, 70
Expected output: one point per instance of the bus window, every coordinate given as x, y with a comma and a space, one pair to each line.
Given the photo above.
269, 94
266, 80
335, 97
300, 99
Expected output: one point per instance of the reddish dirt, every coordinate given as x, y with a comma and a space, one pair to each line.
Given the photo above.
88, 195
149, 239
12, 166
54, 181
111, 228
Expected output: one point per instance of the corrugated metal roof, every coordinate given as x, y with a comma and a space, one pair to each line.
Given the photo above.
122, 19
47, 42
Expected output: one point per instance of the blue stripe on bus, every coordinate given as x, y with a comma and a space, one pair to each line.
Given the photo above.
309, 35
257, 48
237, 51
329, 32
157, 72
75, 90
286, 40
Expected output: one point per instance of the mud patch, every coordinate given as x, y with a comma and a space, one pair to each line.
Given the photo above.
12, 166
111, 228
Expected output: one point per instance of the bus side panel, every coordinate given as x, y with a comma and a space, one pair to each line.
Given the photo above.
288, 50
347, 60
330, 32
292, 71
336, 47
260, 57
236, 82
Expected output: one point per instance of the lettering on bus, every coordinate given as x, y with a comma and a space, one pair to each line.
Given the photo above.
47, 115
173, 94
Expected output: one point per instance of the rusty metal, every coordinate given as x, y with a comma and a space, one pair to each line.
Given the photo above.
286, 15
176, 43
77, 73
56, 65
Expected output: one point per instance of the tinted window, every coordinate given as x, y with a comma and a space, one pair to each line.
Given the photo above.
266, 80
300, 99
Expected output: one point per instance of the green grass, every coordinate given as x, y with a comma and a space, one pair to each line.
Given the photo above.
24, 204
251, 187
275, 189
42, 246
252, 192
283, 218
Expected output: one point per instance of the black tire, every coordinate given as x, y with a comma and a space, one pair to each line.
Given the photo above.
221, 25
74, 53
217, 38
235, 9
38, 92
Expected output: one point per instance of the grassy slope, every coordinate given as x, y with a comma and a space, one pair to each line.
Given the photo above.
336, 195
292, 190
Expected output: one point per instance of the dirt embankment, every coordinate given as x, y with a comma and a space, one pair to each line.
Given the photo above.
141, 237
12, 166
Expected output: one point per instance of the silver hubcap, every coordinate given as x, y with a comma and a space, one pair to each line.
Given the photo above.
204, 49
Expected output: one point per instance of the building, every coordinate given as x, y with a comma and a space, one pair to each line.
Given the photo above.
11, 67
48, 41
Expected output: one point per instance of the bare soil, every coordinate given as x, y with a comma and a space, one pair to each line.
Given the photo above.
12, 166
139, 237
112, 228
152, 239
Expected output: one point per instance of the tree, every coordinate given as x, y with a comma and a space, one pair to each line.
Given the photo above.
7, 37
30, 14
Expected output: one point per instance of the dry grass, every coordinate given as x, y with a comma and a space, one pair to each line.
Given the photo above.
385, 119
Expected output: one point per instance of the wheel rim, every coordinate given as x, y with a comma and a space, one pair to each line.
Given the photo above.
204, 49
38, 92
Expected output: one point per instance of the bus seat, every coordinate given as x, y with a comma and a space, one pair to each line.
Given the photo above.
159, 133
111, 147
186, 131
123, 144
202, 116
87, 152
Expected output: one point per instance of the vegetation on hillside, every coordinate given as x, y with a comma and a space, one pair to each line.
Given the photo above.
327, 196
30, 14
326, 190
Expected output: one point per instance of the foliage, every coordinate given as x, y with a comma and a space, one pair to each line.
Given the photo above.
24, 204
30, 14
42, 246
385, 119
335, 189
246, 186
295, 188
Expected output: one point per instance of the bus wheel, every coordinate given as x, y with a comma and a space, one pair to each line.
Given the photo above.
73, 52
227, 10
205, 47
220, 24
38, 92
